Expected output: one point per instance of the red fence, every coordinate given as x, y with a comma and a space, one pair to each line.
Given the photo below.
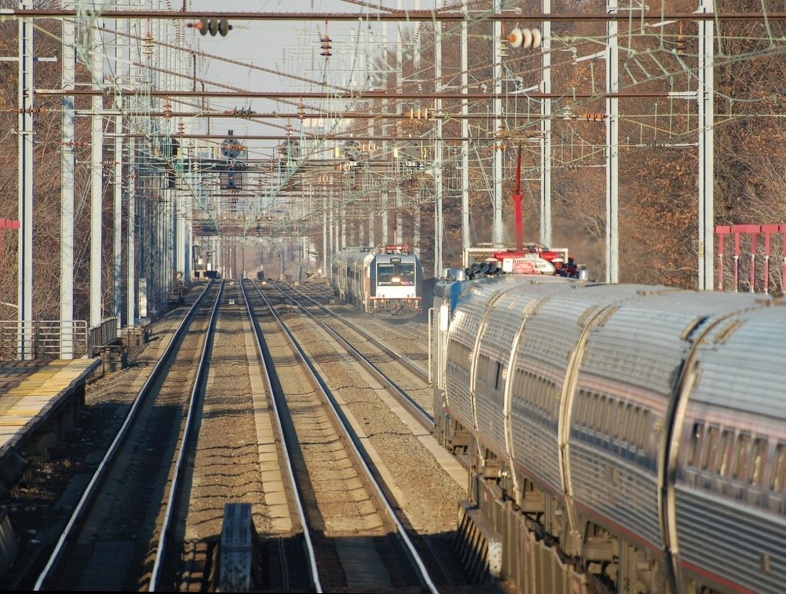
758, 261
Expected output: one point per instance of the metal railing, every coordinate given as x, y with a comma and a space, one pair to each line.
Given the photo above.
42, 339
102, 335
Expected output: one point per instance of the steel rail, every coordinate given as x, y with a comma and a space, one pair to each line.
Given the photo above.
188, 439
310, 547
357, 447
423, 417
103, 468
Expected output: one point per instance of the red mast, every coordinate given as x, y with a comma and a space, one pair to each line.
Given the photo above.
517, 197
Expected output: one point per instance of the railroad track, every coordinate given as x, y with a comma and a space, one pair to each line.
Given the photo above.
406, 380
354, 538
118, 535
236, 457
393, 427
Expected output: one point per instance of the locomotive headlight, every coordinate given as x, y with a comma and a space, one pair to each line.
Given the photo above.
396, 279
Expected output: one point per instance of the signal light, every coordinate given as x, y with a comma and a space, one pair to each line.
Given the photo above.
212, 26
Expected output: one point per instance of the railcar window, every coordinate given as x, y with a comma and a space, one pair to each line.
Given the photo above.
537, 392
500, 376
611, 422
602, 413
630, 424
588, 410
645, 428
458, 352
727, 445
550, 397
396, 274
710, 450
619, 433
759, 460
635, 437
527, 385
739, 469
597, 412
694, 450
778, 478
585, 408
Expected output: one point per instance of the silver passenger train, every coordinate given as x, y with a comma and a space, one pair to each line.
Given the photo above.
634, 436
386, 281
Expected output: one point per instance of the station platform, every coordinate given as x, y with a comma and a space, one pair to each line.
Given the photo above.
38, 400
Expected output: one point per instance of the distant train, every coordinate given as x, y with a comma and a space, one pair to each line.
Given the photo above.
622, 438
385, 281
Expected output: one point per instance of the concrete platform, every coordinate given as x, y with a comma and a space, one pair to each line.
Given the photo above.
39, 397
38, 403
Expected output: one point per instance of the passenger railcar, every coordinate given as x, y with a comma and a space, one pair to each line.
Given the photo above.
634, 435
387, 281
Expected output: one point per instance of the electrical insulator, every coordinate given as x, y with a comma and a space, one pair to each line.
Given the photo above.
681, 40
212, 26
594, 117
325, 43
147, 44
526, 38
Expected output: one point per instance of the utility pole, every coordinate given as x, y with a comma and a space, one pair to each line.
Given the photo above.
25, 294
612, 147
96, 174
706, 96
67, 169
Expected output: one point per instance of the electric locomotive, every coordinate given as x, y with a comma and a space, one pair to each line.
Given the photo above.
386, 281
623, 438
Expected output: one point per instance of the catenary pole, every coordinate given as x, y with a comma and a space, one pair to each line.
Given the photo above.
67, 169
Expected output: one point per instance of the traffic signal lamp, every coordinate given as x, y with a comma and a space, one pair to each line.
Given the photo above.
212, 26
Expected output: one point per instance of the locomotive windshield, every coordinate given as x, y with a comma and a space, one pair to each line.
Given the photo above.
396, 274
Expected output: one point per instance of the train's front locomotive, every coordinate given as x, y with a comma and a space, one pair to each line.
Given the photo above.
396, 284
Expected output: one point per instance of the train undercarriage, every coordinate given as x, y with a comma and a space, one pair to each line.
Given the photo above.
527, 538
